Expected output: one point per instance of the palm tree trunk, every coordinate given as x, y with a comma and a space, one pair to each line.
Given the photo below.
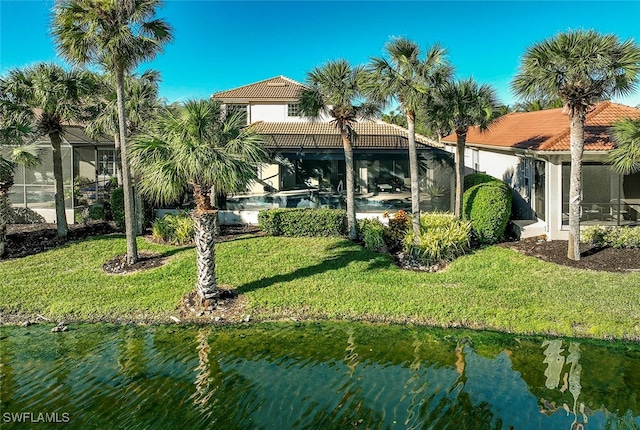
415, 175
61, 216
139, 209
129, 218
5, 207
461, 141
350, 185
117, 158
5, 211
576, 134
205, 220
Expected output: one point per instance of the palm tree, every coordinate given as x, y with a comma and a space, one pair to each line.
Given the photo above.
579, 67
393, 117
625, 157
457, 106
116, 35
142, 106
48, 96
196, 145
335, 89
409, 80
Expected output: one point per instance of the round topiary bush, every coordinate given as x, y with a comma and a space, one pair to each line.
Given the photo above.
488, 207
478, 178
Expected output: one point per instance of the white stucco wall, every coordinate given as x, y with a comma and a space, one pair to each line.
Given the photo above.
273, 112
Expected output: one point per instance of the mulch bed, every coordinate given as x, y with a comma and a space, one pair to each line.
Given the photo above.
591, 258
29, 239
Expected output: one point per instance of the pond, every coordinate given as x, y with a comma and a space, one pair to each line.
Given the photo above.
312, 375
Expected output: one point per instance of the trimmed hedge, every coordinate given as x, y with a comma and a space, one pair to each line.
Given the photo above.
117, 207
478, 178
488, 206
303, 222
615, 237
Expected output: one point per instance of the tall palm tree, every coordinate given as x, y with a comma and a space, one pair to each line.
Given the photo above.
625, 157
335, 89
142, 105
196, 145
49, 97
116, 35
457, 106
579, 67
409, 80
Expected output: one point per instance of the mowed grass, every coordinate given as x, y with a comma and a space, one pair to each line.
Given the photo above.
328, 278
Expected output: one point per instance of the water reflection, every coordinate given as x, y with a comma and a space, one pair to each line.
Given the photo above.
325, 376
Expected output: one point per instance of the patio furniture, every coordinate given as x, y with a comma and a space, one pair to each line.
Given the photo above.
618, 208
593, 211
385, 188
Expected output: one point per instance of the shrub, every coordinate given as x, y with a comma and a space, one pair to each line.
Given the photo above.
117, 207
303, 222
372, 232
25, 216
488, 207
397, 230
174, 229
96, 212
443, 237
477, 179
615, 237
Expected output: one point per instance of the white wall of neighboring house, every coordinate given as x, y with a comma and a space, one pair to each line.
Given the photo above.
273, 112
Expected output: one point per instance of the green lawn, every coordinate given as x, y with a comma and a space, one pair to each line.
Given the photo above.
494, 288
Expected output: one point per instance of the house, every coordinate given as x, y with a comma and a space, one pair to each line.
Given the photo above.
87, 167
530, 152
309, 169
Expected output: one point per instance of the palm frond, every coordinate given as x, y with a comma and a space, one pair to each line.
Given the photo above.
625, 157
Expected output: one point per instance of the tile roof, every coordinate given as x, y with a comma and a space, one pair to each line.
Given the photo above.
548, 130
323, 135
278, 88
75, 135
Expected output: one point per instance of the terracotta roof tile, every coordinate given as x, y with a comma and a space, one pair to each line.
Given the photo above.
278, 88
370, 135
548, 130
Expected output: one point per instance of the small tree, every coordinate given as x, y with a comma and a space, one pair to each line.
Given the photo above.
457, 106
196, 145
12, 137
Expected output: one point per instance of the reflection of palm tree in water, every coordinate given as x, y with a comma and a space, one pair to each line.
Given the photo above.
571, 379
203, 392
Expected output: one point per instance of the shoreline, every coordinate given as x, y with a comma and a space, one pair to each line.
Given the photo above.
246, 318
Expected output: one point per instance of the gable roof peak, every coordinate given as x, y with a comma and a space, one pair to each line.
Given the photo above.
275, 88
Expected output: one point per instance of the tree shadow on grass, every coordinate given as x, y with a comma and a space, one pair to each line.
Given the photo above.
343, 254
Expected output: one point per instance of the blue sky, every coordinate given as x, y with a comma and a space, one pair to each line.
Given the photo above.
220, 45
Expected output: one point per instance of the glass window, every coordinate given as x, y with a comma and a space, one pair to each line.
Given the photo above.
235, 108
603, 199
293, 109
